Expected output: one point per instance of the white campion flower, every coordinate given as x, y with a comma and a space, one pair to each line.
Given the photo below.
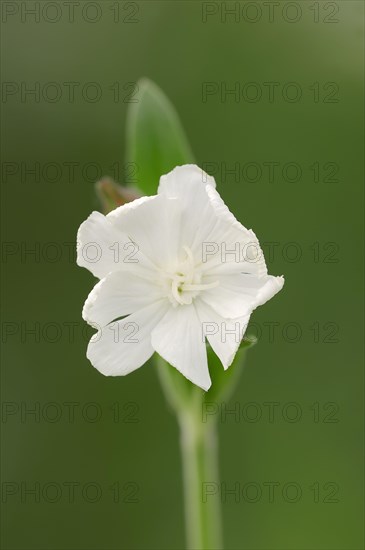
174, 269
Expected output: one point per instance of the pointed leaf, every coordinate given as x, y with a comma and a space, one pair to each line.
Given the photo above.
224, 381
156, 141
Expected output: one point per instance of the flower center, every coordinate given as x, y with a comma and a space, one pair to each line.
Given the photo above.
186, 283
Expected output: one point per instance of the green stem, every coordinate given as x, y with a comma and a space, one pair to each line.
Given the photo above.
199, 459
199, 443
200, 467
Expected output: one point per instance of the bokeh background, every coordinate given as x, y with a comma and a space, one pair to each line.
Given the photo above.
121, 435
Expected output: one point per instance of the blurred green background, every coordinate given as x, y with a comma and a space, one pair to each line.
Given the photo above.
310, 370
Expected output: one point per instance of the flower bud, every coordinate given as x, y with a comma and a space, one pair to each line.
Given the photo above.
112, 195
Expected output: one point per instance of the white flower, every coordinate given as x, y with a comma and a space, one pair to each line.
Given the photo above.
175, 268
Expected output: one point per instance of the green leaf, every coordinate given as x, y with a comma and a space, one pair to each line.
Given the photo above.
183, 395
156, 141
224, 381
180, 392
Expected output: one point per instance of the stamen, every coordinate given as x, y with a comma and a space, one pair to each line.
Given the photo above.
201, 287
186, 283
175, 290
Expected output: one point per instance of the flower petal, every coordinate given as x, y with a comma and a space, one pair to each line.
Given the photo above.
209, 229
224, 335
227, 245
95, 237
152, 223
124, 346
103, 247
178, 338
187, 184
119, 294
238, 295
184, 181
